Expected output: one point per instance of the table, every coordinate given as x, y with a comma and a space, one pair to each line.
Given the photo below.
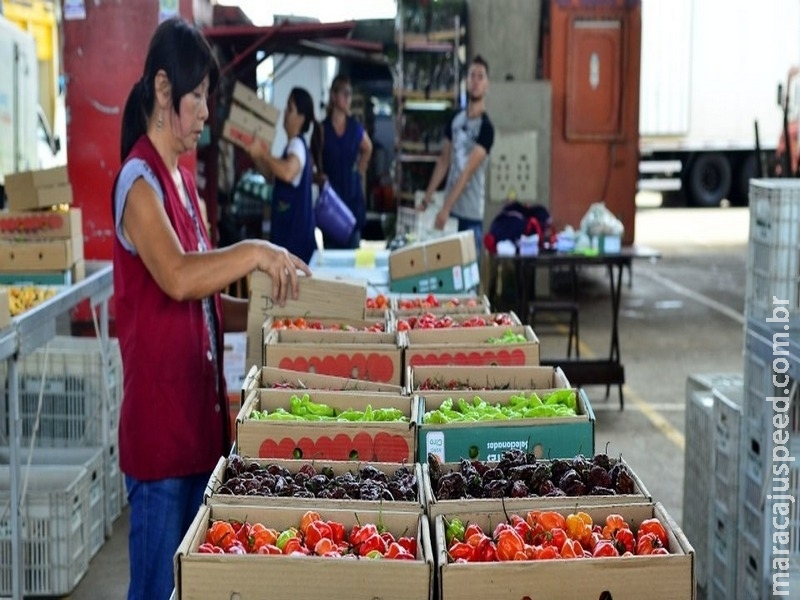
25, 334
608, 371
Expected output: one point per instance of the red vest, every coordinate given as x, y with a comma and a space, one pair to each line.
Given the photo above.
172, 423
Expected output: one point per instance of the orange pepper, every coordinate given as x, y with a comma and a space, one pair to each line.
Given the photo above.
308, 518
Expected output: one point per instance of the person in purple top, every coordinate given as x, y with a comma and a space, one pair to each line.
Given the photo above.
346, 150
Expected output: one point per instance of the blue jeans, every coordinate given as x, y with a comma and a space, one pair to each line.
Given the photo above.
477, 228
161, 512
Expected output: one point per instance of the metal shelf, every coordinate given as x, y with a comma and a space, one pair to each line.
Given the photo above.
26, 333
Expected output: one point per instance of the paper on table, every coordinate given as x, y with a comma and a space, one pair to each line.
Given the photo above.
365, 258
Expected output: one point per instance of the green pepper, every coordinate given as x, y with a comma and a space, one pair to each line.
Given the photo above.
435, 416
454, 530
350, 415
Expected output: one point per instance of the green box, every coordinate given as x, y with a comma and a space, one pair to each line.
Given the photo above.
460, 278
546, 437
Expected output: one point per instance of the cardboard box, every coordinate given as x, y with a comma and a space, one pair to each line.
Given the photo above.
241, 127
432, 256
449, 304
202, 576
249, 99
469, 347
486, 378
378, 362
50, 224
436, 507
456, 279
487, 440
668, 577
336, 468
45, 188
51, 255
271, 377
314, 300
327, 440
341, 328
491, 321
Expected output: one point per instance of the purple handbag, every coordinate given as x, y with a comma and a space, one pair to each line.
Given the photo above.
333, 216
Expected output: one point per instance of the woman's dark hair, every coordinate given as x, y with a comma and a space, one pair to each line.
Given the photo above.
181, 51
340, 81
305, 106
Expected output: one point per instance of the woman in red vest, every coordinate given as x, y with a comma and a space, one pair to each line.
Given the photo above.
170, 312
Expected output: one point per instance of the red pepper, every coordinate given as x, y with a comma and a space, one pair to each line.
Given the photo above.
409, 544
614, 523
397, 552
461, 551
545, 553
220, 533
509, 544
654, 526
624, 541
558, 537
572, 549
294, 545
316, 531
646, 543
471, 530
337, 531
485, 551
209, 548
604, 548
358, 534
373, 542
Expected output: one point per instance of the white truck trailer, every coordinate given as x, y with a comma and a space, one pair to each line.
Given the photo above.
26, 141
710, 70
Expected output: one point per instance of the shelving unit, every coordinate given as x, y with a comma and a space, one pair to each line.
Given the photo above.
428, 87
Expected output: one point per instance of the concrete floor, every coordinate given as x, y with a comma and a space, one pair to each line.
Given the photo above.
681, 315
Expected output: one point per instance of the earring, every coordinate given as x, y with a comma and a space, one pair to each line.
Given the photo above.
160, 121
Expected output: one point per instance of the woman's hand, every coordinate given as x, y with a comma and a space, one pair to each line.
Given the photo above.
282, 266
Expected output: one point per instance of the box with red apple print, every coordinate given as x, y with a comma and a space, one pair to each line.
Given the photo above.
377, 441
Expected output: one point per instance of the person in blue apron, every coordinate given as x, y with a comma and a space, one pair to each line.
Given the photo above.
346, 150
292, 223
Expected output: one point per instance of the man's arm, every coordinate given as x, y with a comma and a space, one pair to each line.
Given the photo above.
439, 172
473, 162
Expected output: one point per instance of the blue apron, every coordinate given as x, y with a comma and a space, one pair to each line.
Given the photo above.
292, 223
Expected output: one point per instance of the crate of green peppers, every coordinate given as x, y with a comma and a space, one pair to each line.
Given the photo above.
483, 424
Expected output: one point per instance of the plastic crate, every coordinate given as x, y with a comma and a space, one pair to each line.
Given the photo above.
698, 465
419, 225
724, 545
115, 487
90, 459
727, 446
55, 530
74, 404
773, 262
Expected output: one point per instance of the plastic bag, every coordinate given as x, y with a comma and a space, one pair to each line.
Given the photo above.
598, 220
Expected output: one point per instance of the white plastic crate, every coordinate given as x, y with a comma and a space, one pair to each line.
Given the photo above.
724, 544
55, 531
90, 459
419, 225
115, 487
727, 446
698, 465
773, 262
73, 403
757, 377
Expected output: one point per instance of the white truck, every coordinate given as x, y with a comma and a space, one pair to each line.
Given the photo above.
26, 141
710, 70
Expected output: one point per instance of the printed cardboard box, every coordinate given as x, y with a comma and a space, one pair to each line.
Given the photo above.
379, 362
202, 576
272, 377
327, 440
470, 347
485, 378
455, 279
432, 256
41, 255
48, 224
487, 440
333, 469
437, 506
319, 296
668, 577
30, 190
249, 99
242, 126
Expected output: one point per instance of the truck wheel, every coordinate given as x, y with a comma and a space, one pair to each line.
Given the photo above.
745, 171
709, 179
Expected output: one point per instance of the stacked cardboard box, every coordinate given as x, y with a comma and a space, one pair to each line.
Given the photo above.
249, 118
41, 235
445, 265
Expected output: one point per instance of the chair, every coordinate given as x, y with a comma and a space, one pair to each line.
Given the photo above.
559, 306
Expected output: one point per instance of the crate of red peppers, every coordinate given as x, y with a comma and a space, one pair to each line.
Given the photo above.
242, 551
624, 552
423, 378
416, 304
430, 320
